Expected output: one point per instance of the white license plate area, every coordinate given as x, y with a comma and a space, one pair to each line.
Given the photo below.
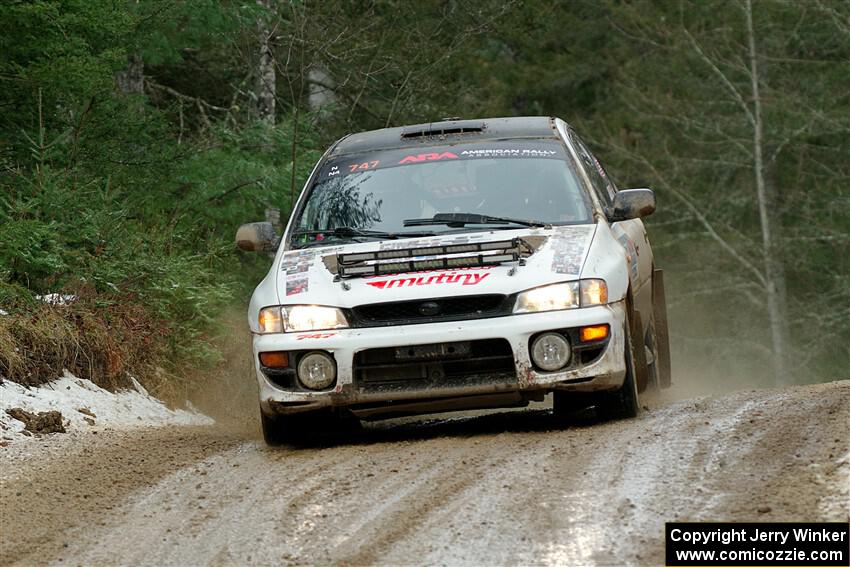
432, 352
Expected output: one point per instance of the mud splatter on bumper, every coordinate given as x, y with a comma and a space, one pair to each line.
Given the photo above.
604, 373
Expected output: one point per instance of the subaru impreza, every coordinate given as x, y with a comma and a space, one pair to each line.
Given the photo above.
456, 265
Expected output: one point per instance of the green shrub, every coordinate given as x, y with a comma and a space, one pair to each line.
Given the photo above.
111, 198
149, 255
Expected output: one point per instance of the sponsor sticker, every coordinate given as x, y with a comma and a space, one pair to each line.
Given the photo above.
296, 265
568, 245
471, 276
348, 165
433, 156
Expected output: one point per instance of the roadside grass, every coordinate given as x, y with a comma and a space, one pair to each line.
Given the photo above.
126, 200
103, 341
148, 259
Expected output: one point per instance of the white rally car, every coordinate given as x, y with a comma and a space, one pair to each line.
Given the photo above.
456, 265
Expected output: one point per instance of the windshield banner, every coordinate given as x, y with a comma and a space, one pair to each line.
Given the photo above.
346, 165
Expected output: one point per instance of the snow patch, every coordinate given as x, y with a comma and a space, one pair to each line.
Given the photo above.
56, 299
86, 406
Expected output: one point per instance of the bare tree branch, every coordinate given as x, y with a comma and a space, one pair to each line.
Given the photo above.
698, 214
722, 76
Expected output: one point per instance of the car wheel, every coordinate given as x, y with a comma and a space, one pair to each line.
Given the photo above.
623, 403
304, 428
567, 405
275, 431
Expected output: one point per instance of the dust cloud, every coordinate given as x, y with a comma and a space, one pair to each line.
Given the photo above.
703, 366
228, 391
715, 352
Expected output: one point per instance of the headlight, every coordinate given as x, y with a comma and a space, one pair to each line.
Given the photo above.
271, 320
551, 351
593, 292
548, 298
297, 318
317, 370
567, 295
312, 318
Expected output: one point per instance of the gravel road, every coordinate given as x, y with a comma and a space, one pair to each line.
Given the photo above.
499, 488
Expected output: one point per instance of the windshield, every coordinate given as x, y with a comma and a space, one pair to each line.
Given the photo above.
530, 180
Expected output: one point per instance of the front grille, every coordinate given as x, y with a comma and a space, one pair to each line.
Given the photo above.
435, 366
430, 310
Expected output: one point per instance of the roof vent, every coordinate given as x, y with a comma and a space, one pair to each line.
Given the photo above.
443, 130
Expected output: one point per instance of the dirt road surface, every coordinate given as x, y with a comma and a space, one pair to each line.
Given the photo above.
503, 488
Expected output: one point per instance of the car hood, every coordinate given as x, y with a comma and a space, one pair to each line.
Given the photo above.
308, 275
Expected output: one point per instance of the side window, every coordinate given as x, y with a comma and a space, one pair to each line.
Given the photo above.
598, 178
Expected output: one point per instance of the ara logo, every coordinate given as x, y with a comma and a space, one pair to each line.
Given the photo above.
428, 157
463, 278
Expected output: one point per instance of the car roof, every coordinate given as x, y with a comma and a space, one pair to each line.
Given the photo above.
446, 132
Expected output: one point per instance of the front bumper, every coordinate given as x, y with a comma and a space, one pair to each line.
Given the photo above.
605, 373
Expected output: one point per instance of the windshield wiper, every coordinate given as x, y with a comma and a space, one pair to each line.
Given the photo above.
458, 220
351, 232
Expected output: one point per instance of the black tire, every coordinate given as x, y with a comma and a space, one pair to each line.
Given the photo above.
661, 348
568, 405
308, 427
275, 432
623, 403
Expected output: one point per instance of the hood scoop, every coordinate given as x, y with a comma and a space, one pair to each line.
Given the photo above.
428, 258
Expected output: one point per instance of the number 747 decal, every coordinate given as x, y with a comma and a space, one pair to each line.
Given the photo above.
363, 166
315, 336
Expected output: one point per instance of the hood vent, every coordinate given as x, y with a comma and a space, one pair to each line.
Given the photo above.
422, 259
443, 130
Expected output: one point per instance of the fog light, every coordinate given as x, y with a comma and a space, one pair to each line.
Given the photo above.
594, 333
277, 359
316, 370
550, 352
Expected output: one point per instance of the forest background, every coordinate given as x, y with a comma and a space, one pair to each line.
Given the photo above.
135, 136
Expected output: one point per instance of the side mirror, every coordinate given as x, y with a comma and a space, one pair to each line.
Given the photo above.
632, 204
257, 237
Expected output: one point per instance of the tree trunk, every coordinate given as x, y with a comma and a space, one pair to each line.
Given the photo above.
321, 93
131, 79
266, 77
774, 205
773, 269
